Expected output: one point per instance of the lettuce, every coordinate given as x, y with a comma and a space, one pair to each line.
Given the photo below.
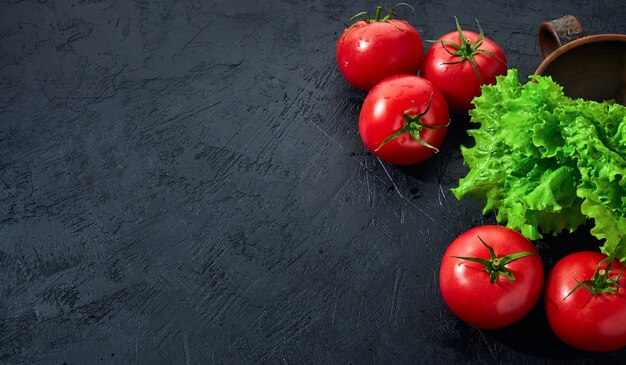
548, 163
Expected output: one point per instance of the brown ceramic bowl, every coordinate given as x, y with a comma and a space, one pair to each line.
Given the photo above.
592, 67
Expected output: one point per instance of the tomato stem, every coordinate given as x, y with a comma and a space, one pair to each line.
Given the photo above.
379, 10
601, 282
465, 50
496, 266
413, 125
365, 16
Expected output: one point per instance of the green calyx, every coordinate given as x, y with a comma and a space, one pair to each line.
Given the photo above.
496, 266
601, 282
413, 125
466, 50
365, 16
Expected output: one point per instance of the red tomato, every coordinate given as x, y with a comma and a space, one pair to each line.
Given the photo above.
491, 299
581, 319
403, 119
450, 68
374, 49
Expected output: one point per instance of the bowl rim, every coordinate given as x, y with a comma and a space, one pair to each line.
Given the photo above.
573, 44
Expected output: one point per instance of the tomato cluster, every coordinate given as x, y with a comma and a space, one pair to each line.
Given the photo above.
404, 118
492, 276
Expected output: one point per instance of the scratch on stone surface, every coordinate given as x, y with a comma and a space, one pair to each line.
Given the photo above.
370, 191
493, 355
194, 37
442, 195
333, 312
395, 297
186, 348
187, 115
407, 200
328, 136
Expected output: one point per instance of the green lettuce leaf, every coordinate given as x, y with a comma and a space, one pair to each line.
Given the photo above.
547, 163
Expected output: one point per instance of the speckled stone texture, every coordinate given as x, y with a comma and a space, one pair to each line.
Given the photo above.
182, 182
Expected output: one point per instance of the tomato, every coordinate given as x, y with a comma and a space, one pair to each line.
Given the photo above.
460, 62
373, 49
500, 289
586, 321
403, 119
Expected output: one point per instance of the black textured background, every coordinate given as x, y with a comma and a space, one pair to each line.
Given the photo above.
182, 182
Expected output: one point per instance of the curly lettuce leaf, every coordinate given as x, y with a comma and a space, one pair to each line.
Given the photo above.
546, 162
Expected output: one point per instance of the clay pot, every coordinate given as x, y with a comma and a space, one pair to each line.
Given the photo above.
588, 67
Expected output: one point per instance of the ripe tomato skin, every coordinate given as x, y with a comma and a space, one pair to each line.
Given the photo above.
459, 82
382, 114
367, 53
466, 288
582, 320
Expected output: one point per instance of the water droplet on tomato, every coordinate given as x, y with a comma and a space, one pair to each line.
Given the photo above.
345, 64
402, 139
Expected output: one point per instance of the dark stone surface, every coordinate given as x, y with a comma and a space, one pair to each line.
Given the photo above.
182, 182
